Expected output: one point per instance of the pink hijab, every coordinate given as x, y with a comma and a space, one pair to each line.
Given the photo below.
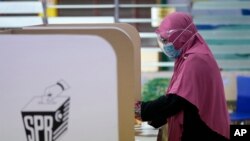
196, 77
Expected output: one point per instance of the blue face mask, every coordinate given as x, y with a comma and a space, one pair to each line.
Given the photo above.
168, 47
170, 51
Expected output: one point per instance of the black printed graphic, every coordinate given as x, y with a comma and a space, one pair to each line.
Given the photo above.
45, 118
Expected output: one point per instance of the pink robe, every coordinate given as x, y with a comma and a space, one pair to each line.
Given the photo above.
196, 77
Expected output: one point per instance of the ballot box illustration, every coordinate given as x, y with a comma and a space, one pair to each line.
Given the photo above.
45, 117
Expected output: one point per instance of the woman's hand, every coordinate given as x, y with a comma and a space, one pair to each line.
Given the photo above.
137, 108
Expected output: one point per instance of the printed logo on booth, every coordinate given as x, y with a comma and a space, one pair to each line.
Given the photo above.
45, 117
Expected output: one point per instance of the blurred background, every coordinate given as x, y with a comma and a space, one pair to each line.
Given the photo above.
224, 24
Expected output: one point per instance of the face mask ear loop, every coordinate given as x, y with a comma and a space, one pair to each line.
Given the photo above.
189, 39
182, 32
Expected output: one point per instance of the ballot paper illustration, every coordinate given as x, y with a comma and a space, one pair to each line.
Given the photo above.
45, 117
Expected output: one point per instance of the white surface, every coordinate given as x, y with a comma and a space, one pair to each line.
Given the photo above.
146, 132
36, 104
30, 63
21, 7
80, 20
20, 21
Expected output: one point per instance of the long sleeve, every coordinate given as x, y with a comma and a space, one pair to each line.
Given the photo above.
165, 106
157, 111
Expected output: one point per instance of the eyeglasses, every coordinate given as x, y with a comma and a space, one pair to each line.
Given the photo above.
162, 39
168, 34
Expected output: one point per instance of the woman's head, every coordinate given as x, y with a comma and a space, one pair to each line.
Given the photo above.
177, 28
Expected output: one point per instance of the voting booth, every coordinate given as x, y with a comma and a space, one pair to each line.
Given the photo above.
69, 82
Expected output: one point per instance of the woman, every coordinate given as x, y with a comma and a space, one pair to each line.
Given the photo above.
194, 105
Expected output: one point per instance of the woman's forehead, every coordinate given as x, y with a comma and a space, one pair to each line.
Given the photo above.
166, 34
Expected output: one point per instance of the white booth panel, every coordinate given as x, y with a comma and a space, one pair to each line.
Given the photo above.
58, 87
